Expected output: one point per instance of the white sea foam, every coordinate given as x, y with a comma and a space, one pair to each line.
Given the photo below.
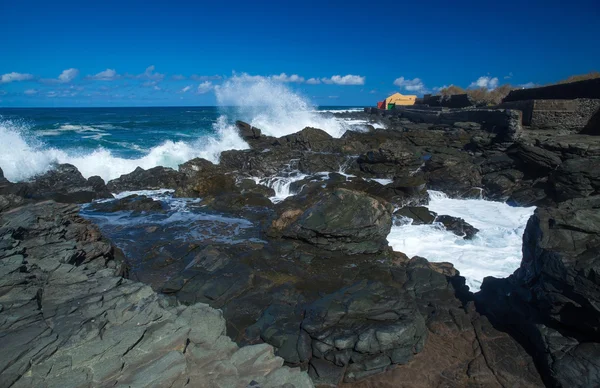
495, 250
23, 156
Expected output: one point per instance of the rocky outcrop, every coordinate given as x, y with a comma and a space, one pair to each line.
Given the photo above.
458, 226
68, 317
247, 131
343, 220
134, 203
151, 179
551, 302
64, 183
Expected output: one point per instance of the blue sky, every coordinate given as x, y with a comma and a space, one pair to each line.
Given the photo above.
132, 53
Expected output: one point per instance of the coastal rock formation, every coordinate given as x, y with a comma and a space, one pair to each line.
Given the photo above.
343, 220
69, 318
134, 202
551, 300
151, 179
64, 183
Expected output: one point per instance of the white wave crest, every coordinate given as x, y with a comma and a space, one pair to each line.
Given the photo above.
274, 108
23, 156
494, 251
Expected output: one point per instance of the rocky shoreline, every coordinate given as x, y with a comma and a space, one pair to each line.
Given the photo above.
309, 277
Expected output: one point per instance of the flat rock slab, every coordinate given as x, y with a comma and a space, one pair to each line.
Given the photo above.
68, 319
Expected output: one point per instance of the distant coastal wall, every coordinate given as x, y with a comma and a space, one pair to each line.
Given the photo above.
570, 91
504, 122
572, 115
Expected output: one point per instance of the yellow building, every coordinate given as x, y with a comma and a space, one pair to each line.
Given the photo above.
399, 99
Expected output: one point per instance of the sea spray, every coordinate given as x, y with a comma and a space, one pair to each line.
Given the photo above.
274, 108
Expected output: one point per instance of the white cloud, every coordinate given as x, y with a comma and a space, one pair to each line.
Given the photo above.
31, 92
148, 74
485, 82
345, 80
205, 87
68, 75
178, 77
285, 78
151, 74
186, 89
106, 75
313, 81
509, 76
415, 85
15, 77
333, 97
373, 91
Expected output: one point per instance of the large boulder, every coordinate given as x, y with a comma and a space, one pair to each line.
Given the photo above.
247, 131
64, 183
576, 178
343, 220
151, 179
366, 327
135, 203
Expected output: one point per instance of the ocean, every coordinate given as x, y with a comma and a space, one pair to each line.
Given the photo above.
112, 141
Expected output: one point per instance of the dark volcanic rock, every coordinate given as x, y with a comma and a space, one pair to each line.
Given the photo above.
307, 139
3, 180
63, 184
458, 226
136, 203
250, 186
247, 131
343, 220
551, 302
151, 179
207, 185
453, 175
576, 178
68, 318
367, 323
419, 214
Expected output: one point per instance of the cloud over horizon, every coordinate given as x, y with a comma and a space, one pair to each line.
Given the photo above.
486, 82
415, 85
349, 79
15, 77
106, 75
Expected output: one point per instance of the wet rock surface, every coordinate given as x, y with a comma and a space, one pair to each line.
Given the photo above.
64, 183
